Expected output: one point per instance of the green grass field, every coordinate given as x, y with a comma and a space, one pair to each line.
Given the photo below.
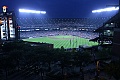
65, 41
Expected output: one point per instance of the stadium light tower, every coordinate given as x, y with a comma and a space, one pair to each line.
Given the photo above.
32, 11
110, 8
105, 9
115, 5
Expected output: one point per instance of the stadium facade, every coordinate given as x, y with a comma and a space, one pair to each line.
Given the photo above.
116, 37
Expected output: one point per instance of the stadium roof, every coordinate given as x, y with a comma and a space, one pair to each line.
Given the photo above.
115, 18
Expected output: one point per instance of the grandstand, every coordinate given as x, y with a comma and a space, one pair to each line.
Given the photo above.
58, 24
81, 23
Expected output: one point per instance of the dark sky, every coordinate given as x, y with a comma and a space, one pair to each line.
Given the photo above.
59, 8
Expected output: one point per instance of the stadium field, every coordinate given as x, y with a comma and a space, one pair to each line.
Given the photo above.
65, 41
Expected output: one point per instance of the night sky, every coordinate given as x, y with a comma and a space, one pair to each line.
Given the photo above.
59, 8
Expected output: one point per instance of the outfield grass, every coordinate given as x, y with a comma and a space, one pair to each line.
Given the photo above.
65, 41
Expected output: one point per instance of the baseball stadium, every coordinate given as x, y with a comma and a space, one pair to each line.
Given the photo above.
69, 33
59, 40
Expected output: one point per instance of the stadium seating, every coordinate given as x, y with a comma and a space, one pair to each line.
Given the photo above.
29, 26
59, 22
82, 34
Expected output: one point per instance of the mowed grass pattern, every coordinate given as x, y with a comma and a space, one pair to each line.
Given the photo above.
65, 41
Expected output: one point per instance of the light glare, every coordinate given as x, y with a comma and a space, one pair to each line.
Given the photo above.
32, 11
106, 9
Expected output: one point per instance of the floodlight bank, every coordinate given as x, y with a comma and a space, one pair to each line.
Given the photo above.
32, 11
105, 9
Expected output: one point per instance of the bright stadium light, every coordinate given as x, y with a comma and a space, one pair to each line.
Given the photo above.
32, 11
106, 9
43, 12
